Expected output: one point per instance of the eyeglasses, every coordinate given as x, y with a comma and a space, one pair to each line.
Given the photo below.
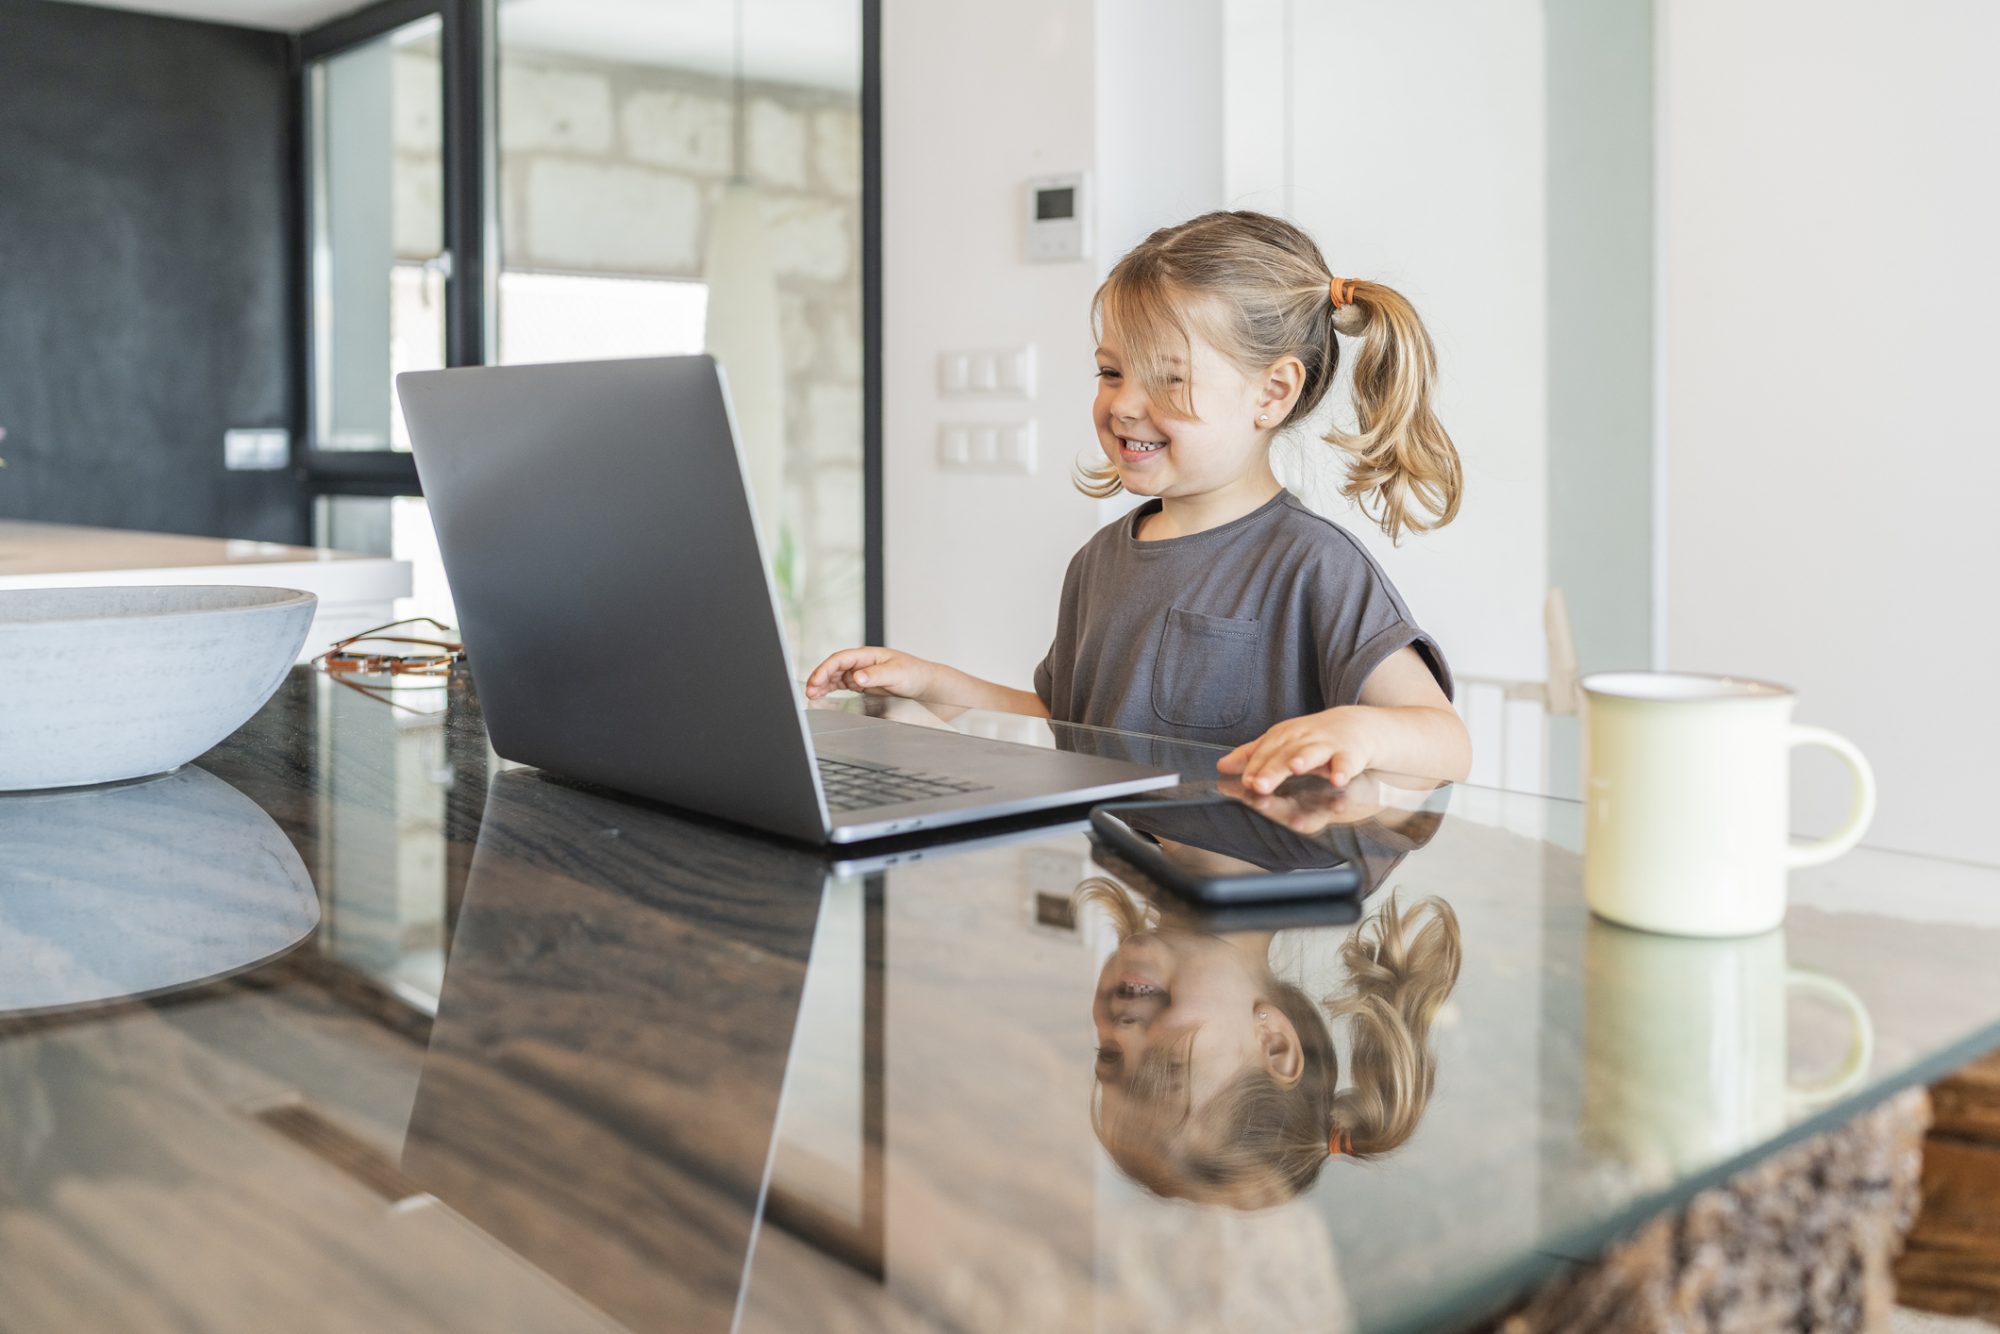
375, 660
373, 657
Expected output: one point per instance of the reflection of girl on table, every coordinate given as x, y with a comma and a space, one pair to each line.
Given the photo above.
1217, 1079
1222, 609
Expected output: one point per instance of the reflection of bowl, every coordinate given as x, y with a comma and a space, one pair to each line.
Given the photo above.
135, 890
103, 684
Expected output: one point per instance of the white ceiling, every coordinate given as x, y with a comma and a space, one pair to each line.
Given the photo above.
812, 42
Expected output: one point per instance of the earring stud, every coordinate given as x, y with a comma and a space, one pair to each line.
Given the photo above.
1263, 417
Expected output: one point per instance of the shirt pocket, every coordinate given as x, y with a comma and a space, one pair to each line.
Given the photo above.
1203, 674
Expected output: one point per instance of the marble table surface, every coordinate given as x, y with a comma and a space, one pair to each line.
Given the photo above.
554, 1059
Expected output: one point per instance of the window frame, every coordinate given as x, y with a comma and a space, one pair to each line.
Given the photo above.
470, 221
470, 48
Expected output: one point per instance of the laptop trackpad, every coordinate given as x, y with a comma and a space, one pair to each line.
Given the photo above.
941, 750
825, 722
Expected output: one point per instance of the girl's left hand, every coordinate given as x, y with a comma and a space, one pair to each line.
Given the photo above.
1335, 743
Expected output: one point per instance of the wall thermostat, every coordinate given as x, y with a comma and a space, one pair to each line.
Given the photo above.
1058, 218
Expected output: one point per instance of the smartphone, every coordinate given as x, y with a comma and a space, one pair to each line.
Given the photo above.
1216, 850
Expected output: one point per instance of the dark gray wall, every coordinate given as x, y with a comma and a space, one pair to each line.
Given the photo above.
145, 277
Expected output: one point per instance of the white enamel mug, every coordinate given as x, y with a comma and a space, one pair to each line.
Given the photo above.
1687, 790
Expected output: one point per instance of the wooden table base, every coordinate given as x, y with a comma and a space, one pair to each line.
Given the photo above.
1952, 1262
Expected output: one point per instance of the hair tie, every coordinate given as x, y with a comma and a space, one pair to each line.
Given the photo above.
1339, 1142
1348, 318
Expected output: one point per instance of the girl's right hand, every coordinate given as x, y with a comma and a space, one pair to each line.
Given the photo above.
872, 671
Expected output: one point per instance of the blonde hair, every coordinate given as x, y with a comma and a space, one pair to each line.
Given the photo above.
1258, 1142
1260, 292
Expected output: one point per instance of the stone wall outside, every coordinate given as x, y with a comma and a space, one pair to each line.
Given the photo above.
615, 170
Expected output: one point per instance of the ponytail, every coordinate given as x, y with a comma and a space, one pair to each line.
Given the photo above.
1404, 470
1399, 975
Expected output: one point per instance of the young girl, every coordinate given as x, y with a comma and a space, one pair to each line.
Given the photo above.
1217, 1081
1222, 609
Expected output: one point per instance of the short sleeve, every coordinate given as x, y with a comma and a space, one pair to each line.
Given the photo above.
1387, 642
1361, 622
1043, 677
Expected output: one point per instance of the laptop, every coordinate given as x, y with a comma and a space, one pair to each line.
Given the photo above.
613, 595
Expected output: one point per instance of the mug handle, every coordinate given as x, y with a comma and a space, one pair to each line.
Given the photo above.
1860, 1047
1858, 816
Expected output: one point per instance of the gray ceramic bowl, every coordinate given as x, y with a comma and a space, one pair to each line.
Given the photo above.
103, 684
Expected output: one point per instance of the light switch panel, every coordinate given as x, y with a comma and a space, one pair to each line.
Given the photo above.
954, 372
263, 450
990, 447
993, 372
1015, 451
954, 446
1016, 371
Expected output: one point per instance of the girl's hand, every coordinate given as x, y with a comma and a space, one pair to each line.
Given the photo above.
1337, 743
872, 671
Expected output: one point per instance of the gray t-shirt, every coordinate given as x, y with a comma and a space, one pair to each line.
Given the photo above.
1219, 635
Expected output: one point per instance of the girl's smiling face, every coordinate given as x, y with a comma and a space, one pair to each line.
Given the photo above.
1160, 454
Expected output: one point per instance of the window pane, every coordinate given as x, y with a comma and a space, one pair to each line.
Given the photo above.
416, 336
572, 317
378, 232
656, 198
398, 526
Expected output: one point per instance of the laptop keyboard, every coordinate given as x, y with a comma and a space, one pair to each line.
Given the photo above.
850, 787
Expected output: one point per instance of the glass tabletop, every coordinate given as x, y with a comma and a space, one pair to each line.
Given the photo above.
558, 1059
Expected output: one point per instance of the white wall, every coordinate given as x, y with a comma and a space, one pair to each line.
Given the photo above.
1410, 144
1830, 335
976, 99
1419, 165
1159, 158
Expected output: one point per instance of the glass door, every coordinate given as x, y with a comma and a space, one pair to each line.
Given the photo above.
379, 262
396, 136
561, 180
